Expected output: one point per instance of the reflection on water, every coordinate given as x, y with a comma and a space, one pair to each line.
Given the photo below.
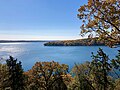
13, 43
10, 49
32, 52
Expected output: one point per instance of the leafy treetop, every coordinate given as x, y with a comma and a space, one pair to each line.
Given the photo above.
101, 18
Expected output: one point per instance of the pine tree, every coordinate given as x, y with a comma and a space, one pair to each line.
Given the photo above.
15, 74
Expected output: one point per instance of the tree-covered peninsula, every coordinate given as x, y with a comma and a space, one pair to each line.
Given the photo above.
78, 42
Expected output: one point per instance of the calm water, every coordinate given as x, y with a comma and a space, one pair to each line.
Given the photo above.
31, 52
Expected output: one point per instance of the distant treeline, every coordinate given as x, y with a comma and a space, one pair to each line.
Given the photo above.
79, 42
10, 41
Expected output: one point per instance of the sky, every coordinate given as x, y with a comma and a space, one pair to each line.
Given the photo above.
40, 19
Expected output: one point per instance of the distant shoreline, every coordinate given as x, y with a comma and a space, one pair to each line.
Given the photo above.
78, 42
12, 41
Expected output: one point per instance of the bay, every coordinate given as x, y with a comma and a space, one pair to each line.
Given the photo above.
31, 52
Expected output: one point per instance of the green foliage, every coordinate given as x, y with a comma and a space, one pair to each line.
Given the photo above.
99, 74
82, 77
15, 77
116, 62
100, 68
116, 65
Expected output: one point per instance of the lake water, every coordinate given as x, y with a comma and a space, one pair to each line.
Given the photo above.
30, 52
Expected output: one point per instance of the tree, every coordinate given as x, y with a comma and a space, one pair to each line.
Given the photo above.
82, 77
101, 18
47, 76
100, 68
101, 73
116, 65
117, 84
3, 76
15, 77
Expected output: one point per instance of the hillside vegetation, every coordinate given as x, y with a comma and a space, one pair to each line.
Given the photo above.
79, 42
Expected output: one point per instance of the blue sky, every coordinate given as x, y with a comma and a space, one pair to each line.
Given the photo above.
39, 19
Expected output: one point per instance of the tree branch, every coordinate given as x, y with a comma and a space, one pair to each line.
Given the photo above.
104, 19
